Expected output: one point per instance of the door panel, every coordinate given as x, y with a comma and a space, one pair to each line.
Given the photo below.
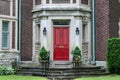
61, 43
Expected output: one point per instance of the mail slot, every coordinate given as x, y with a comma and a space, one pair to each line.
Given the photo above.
61, 46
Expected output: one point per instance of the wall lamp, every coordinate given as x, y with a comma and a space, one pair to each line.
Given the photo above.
44, 31
77, 31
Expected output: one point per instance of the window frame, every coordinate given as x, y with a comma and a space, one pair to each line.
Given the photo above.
60, 2
6, 32
85, 3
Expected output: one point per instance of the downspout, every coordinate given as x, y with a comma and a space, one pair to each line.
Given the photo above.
19, 32
93, 33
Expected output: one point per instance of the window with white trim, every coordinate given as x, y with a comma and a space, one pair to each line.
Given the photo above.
5, 34
38, 33
84, 34
60, 1
84, 2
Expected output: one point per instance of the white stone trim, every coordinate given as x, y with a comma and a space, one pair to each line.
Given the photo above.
0, 33
33, 38
8, 17
16, 9
10, 35
89, 40
101, 63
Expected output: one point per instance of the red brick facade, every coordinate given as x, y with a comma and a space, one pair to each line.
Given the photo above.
114, 17
102, 28
26, 30
4, 7
106, 23
14, 8
107, 16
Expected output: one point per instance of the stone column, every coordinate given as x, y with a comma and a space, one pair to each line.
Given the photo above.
87, 44
36, 43
89, 40
33, 53
43, 39
77, 36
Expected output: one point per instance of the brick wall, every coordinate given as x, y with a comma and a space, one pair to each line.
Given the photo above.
4, 7
114, 17
13, 34
102, 28
26, 34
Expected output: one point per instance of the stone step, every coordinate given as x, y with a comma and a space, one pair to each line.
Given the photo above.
62, 73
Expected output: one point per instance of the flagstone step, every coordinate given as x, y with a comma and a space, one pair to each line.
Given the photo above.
62, 73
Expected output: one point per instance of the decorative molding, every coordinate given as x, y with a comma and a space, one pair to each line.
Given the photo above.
85, 19
37, 21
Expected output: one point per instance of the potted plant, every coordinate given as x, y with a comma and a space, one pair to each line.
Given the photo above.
76, 54
44, 59
43, 55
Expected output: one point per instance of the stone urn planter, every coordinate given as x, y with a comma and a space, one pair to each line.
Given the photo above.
76, 57
44, 59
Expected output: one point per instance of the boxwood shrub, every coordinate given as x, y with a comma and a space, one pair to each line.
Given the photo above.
113, 55
4, 70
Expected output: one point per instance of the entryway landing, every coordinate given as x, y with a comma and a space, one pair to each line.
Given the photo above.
61, 64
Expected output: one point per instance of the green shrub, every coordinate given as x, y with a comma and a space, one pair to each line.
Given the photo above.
43, 54
113, 55
4, 70
76, 54
76, 51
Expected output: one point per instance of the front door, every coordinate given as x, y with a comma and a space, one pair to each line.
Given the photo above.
61, 43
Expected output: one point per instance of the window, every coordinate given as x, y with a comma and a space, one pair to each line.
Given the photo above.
74, 1
5, 7
38, 33
60, 1
37, 2
84, 34
84, 2
47, 1
61, 23
5, 34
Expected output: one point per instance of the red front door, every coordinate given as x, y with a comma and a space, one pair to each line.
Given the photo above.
61, 43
